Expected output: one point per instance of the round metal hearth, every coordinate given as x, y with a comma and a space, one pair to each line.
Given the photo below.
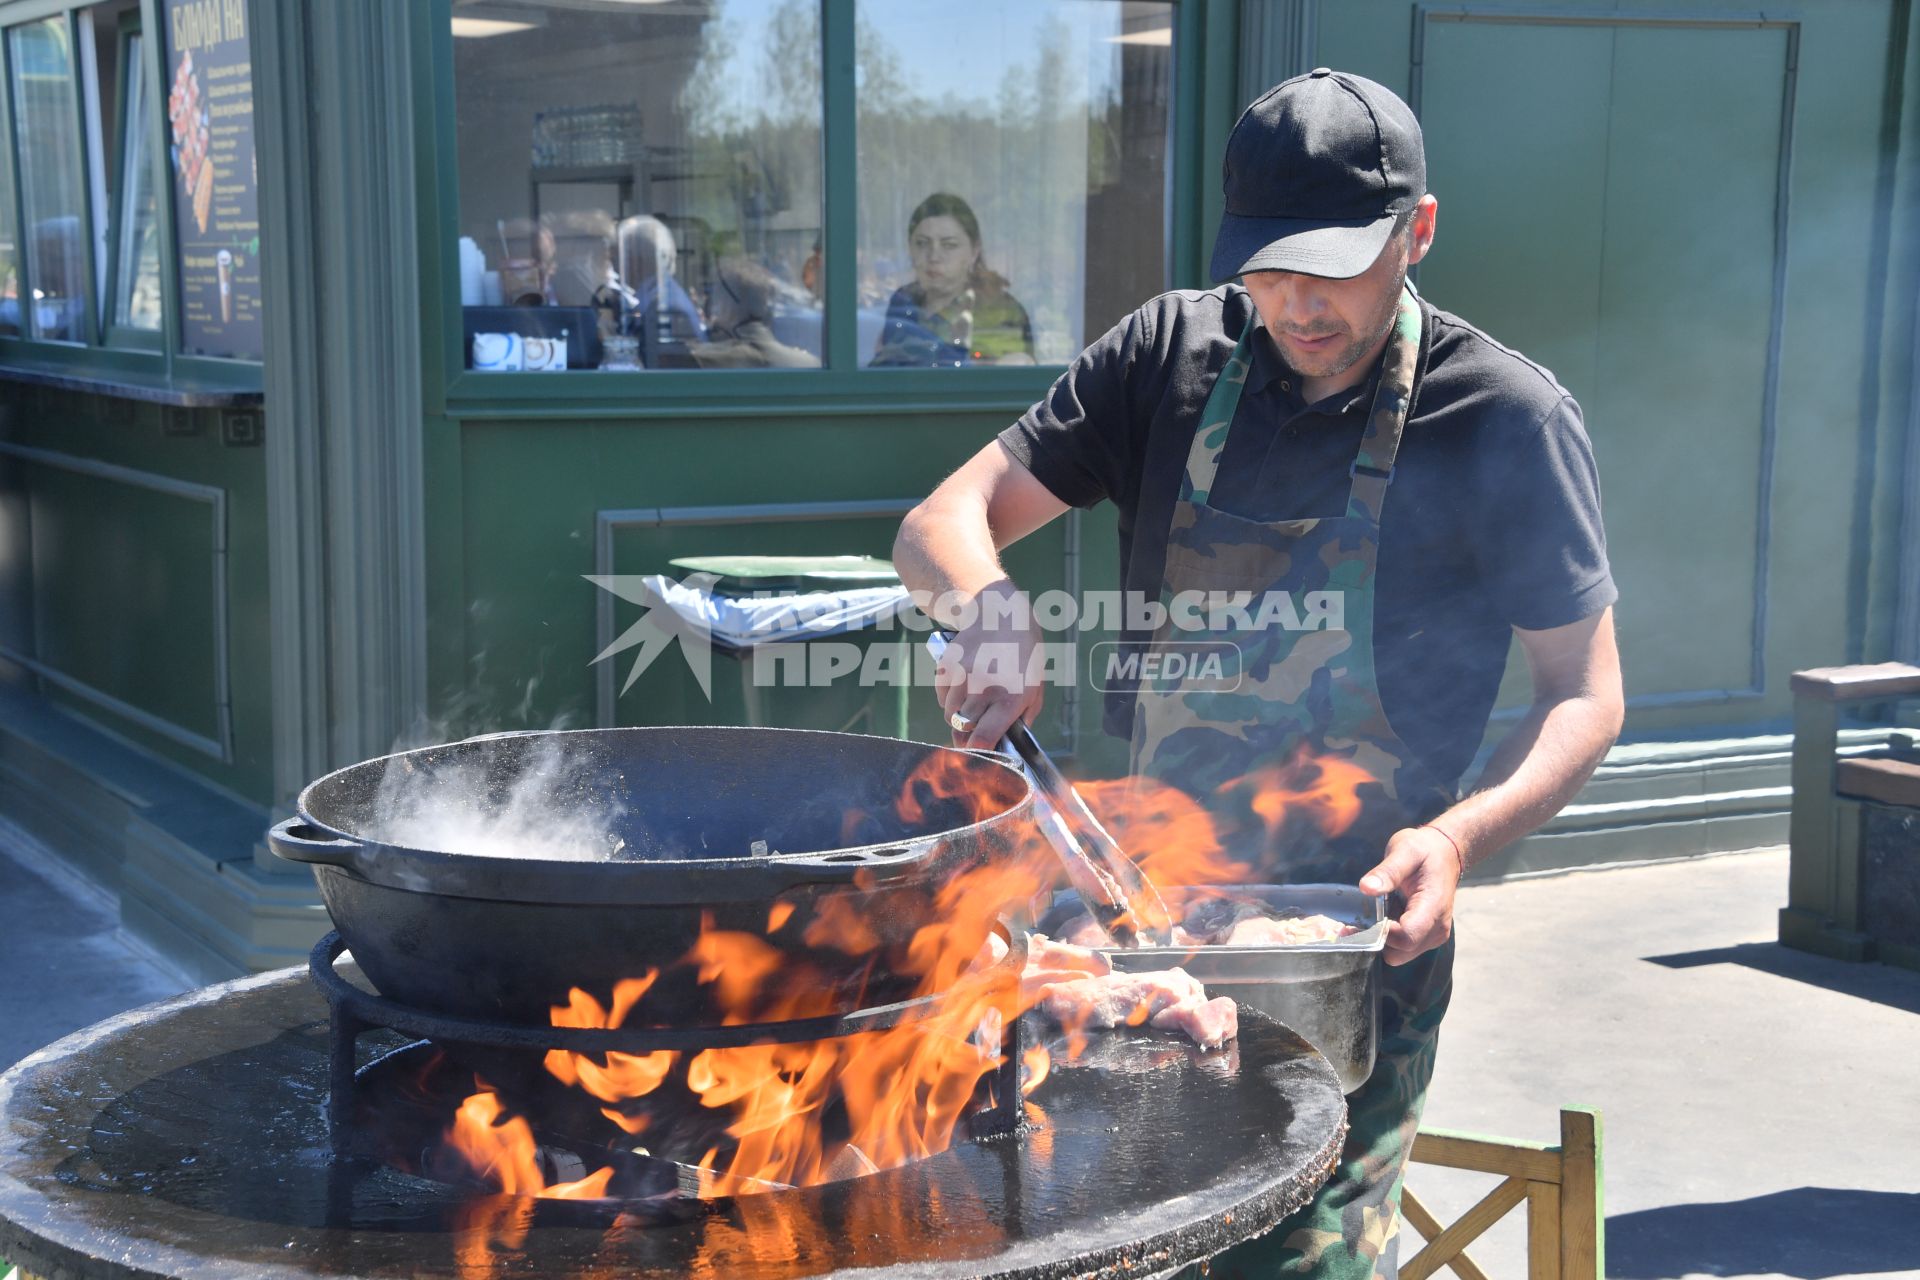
189, 1139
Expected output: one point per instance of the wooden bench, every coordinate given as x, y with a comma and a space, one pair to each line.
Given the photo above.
1559, 1185
1828, 905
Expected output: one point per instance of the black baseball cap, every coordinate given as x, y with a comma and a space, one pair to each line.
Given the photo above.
1317, 172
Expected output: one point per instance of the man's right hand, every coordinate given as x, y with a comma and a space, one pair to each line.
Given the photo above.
947, 547
982, 677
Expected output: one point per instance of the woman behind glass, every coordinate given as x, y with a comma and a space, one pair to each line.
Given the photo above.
956, 311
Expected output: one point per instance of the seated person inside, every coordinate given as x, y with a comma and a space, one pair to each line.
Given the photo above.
651, 303
739, 332
956, 311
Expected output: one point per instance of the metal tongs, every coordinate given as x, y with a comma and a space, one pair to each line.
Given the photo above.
1123, 902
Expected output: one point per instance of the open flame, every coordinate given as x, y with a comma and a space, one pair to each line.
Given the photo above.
502, 1148
802, 1114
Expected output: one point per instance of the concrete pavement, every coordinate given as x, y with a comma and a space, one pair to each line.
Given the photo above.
1761, 1107
63, 962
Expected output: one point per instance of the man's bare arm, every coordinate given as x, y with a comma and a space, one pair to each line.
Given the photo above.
1576, 714
1577, 711
949, 544
948, 547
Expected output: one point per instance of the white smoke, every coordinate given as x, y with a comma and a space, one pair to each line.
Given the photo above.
547, 805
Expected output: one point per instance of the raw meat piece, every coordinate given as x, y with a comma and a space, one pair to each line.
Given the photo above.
1230, 920
1077, 988
1081, 931
1285, 931
1044, 953
1227, 920
991, 953
1050, 963
1208, 1023
1118, 999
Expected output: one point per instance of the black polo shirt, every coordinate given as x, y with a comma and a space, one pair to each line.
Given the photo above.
1492, 520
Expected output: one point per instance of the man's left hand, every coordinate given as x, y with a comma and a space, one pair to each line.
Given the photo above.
1423, 867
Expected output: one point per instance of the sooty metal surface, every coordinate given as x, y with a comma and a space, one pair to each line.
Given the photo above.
189, 1139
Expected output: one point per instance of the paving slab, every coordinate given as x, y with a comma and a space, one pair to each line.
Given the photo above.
1761, 1107
64, 963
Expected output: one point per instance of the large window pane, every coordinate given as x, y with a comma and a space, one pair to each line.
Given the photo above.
47, 127
639, 182
1013, 175
136, 294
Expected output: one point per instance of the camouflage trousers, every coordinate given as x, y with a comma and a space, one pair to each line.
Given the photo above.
1355, 1217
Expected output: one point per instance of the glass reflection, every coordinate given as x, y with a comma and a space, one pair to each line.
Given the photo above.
47, 130
1013, 175
956, 310
640, 183
9, 250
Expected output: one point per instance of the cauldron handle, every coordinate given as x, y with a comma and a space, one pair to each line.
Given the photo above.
298, 840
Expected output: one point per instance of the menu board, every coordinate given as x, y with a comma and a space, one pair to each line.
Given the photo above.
216, 185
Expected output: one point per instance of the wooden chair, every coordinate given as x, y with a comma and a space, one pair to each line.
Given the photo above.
1560, 1185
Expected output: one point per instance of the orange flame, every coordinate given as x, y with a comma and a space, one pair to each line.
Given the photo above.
801, 1114
1038, 1065
1179, 840
624, 1075
1324, 791
1163, 829
504, 1151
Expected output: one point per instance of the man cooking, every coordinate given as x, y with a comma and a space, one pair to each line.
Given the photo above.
1314, 428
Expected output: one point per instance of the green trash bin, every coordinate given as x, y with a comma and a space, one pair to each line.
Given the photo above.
742, 689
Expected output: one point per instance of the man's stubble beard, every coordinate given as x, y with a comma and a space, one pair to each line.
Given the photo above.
1361, 347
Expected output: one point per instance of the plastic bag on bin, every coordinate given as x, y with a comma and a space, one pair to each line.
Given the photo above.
744, 622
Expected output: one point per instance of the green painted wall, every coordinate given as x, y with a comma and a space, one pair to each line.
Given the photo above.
112, 583
1617, 194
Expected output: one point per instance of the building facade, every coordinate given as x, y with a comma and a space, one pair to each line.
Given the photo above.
340, 343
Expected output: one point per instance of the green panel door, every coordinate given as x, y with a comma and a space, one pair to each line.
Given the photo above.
1679, 408
1518, 162
133, 578
1609, 196
124, 597
1683, 214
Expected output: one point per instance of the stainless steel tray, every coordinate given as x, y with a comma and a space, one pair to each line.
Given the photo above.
1329, 992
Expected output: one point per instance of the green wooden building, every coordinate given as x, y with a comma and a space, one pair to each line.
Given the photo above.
341, 341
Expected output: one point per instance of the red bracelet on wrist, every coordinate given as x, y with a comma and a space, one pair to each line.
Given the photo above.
1458, 856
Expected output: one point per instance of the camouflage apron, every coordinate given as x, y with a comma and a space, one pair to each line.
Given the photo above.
1306, 683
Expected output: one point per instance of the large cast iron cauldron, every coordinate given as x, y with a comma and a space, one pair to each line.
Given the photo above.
716, 824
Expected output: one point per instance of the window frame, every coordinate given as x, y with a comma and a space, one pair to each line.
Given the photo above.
1204, 31
119, 336
159, 365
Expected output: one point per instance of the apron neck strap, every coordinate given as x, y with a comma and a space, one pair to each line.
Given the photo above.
1216, 418
1372, 468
